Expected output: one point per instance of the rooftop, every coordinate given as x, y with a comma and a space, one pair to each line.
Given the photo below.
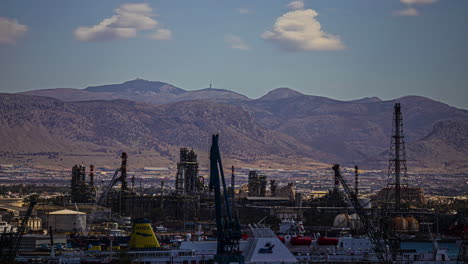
65, 212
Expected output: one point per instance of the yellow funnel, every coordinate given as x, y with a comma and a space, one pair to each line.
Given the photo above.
143, 236
95, 247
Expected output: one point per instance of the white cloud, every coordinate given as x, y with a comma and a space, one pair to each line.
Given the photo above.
128, 20
407, 12
299, 31
162, 34
11, 30
296, 5
410, 11
418, 2
243, 10
236, 42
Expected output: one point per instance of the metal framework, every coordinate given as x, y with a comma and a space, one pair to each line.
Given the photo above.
397, 170
187, 180
372, 231
228, 228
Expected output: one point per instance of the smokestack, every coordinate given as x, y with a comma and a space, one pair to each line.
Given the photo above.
91, 175
123, 171
232, 183
356, 182
83, 174
337, 184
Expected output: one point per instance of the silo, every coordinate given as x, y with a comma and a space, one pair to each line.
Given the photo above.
67, 221
355, 222
341, 221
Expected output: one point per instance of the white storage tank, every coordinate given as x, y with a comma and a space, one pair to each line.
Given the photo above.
355, 222
67, 221
341, 221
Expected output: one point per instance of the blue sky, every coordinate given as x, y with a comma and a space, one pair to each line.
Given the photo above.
343, 49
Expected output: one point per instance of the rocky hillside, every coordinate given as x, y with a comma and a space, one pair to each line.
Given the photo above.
446, 146
349, 131
32, 124
444, 149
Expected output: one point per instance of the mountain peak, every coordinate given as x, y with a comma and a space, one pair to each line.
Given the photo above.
280, 93
372, 99
137, 85
138, 80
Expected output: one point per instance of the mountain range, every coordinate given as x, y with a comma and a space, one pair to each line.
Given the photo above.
282, 127
138, 90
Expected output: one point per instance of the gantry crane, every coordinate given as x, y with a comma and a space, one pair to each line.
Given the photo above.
228, 227
371, 230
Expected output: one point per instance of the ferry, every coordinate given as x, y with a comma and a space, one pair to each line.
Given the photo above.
263, 246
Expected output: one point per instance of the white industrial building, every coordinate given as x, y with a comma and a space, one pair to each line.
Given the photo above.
66, 221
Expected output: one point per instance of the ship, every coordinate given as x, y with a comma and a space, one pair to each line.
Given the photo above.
262, 247
348, 249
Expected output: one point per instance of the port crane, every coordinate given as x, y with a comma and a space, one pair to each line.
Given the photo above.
8, 254
100, 198
379, 249
120, 175
228, 227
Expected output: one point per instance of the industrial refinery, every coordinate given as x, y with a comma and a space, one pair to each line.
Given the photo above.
249, 132
223, 213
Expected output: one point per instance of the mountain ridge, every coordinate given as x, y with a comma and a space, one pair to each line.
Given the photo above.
33, 124
332, 130
137, 90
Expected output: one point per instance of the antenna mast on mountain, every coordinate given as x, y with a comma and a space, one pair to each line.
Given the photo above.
397, 169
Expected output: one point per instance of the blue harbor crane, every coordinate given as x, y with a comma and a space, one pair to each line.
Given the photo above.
228, 227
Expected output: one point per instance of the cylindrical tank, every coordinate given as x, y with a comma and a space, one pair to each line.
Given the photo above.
413, 224
399, 224
67, 221
341, 221
355, 222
